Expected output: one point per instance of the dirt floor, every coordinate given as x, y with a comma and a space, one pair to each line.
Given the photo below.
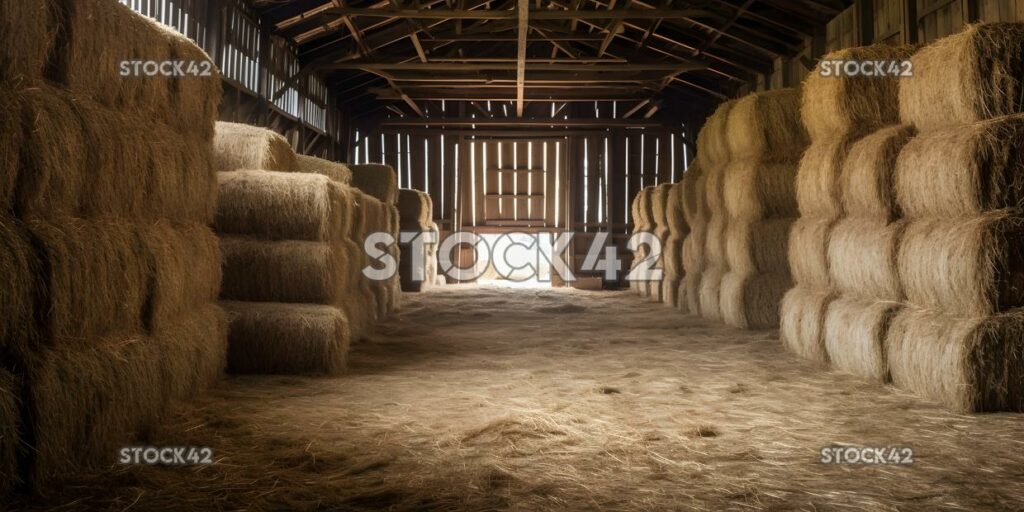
495, 398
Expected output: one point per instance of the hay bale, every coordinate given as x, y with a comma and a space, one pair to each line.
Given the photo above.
333, 170
268, 337
862, 258
28, 32
675, 219
808, 251
972, 266
712, 146
19, 268
693, 248
758, 247
967, 77
88, 400
673, 246
963, 170
852, 105
710, 292
766, 126
377, 180
802, 322
195, 101
972, 364
280, 206
283, 271
752, 301
240, 146
185, 267
817, 181
692, 200
10, 427
855, 332
754, 190
867, 182
414, 210
96, 278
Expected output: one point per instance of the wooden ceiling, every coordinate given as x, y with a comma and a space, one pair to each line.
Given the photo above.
407, 53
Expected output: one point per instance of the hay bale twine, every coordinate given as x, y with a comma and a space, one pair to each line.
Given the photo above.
241, 146
852, 104
19, 266
712, 146
973, 266
274, 338
755, 190
862, 258
855, 332
185, 266
10, 428
751, 301
808, 251
333, 170
966, 77
766, 126
377, 180
758, 247
96, 280
963, 170
280, 206
802, 322
283, 271
817, 181
867, 182
971, 364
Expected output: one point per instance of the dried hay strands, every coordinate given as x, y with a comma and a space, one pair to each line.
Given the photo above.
281, 206
867, 182
862, 258
286, 338
855, 332
333, 170
802, 322
751, 301
755, 190
808, 251
758, 247
185, 266
10, 428
377, 180
241, 146
766, 126
19, 266
283, 271
817, 181
712, 146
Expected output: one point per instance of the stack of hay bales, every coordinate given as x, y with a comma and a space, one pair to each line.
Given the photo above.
289, 279
695, 213
959, 184
379, 186
713, 151
677, 232
837, 111
766, 140
415, 210
110, 269
660, 229
642, 223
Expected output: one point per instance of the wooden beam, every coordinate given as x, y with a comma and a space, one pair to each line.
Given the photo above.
636, 108
539, 14
524, 27
435, 67
540, 122
613, 29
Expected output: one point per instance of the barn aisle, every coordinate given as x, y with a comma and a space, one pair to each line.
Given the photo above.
493, 398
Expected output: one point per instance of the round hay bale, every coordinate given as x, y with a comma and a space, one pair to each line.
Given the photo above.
966, 77
852, 104
674, 218
691, 295
712, 147
862, 258
963, 170
808, 252
28, 33
19, 268
758, 247
96, 280
802, 322
855, 331
755, 190
867, 182
972, 266
766, 126
10, 428
185, 266
659, 210
817, 181
283, 271
752, 301
280, 206
715, 243
970, 365
710, 291
692, 194
241, 146
333, 170
377, 180
693, 250
273, 338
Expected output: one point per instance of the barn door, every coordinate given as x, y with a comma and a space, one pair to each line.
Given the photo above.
517, 183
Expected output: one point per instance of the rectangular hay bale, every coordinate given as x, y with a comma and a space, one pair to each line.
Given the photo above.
277, 338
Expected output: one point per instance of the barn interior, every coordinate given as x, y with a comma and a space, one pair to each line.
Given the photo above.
511, 255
